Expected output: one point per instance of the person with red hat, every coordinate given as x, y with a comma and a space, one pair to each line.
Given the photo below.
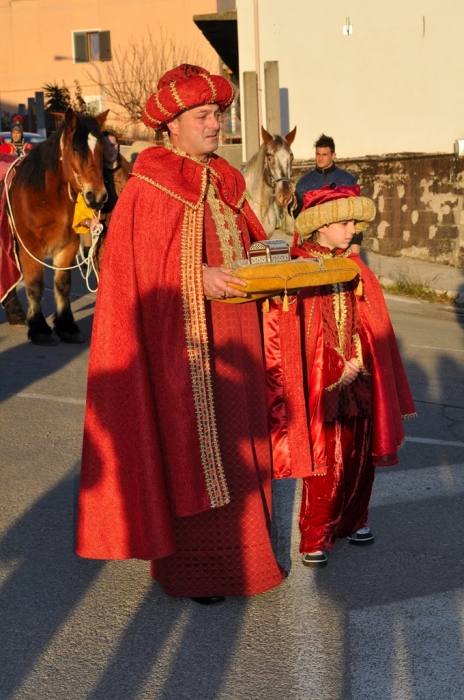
17, 146
176, 456
337, 387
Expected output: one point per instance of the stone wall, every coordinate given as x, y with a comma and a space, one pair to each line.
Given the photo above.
420, 204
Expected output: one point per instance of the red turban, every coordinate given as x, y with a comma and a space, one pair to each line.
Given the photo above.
331, 204
183, 88
328, 193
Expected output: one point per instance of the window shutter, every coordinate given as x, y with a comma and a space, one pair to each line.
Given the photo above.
80, 47
105, 46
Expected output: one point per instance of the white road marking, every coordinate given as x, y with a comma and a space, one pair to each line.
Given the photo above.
417, 646
411, 485
432, 347
432, 441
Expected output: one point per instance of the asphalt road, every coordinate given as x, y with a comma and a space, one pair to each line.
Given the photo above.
381, 623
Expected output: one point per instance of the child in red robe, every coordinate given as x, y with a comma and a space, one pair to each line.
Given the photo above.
338, 390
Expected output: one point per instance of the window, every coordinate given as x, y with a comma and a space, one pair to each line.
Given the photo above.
94, 103
91, 46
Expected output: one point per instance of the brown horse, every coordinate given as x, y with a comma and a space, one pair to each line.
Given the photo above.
267, 175
41, 197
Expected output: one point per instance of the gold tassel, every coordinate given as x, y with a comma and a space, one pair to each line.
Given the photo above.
359, 288
266, 307
285, 302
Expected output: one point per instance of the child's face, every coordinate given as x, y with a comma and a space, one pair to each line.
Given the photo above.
337, 235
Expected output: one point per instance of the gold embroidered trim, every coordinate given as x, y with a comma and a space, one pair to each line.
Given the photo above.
212, 86
310, 318
171, 115
241, 201
198, 353
340, 313
359, 355
174, 195
224, 217
342, 376
183, 154
326, 256
151, 119
175, 94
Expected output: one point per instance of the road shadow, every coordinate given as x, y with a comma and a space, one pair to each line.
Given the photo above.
45, 584
400, 601
23, 363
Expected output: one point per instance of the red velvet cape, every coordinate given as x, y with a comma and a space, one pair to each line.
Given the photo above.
148, 405
10, 272
293, 342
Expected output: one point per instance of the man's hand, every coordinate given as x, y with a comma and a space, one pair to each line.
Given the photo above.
216, 282
356, 248
351, 371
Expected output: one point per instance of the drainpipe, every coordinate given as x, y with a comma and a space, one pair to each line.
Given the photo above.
258, 60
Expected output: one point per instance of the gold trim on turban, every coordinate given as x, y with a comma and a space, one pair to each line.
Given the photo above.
361, 210
183, 88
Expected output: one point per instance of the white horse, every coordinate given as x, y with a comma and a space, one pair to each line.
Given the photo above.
267, 175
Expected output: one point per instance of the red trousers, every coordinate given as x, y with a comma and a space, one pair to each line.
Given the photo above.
336, 505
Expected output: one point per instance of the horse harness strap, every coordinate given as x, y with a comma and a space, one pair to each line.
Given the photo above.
272, 181
81, 189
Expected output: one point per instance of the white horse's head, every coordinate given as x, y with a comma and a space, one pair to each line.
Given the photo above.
278, 159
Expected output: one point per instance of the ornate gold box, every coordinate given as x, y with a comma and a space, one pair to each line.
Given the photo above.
268, 252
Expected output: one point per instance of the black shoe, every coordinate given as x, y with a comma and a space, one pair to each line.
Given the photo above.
361, 537
315, 559
209, 600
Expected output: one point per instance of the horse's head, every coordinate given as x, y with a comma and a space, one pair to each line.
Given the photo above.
278, 165
82, 156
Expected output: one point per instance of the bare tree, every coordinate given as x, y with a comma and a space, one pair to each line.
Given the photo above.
133, 72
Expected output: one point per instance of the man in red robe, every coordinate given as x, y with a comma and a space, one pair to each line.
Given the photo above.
338, 390
176, 457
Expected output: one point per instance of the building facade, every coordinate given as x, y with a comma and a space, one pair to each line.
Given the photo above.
51, 41
382, 77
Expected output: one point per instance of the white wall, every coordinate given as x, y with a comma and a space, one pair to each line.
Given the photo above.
396, 84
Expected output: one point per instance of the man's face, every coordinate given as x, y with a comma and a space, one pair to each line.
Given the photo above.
16, 136
111, 149
196, 131
324, 157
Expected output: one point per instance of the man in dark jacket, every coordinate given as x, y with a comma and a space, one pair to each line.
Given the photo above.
325, 173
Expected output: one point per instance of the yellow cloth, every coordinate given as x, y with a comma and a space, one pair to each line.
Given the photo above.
82, 212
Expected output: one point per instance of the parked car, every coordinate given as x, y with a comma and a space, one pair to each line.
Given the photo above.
28, 137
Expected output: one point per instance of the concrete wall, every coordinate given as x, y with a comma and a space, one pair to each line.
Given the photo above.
394, 85
420, 205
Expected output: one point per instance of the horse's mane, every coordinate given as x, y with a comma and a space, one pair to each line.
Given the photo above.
258, 157
253, 169
251, 164
45, 156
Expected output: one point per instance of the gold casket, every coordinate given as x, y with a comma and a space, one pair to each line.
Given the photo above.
281, 275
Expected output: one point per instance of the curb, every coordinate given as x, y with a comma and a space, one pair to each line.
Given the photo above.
457, 297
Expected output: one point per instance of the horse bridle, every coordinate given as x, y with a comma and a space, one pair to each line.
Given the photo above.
271, 180
81, 189
76, 176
